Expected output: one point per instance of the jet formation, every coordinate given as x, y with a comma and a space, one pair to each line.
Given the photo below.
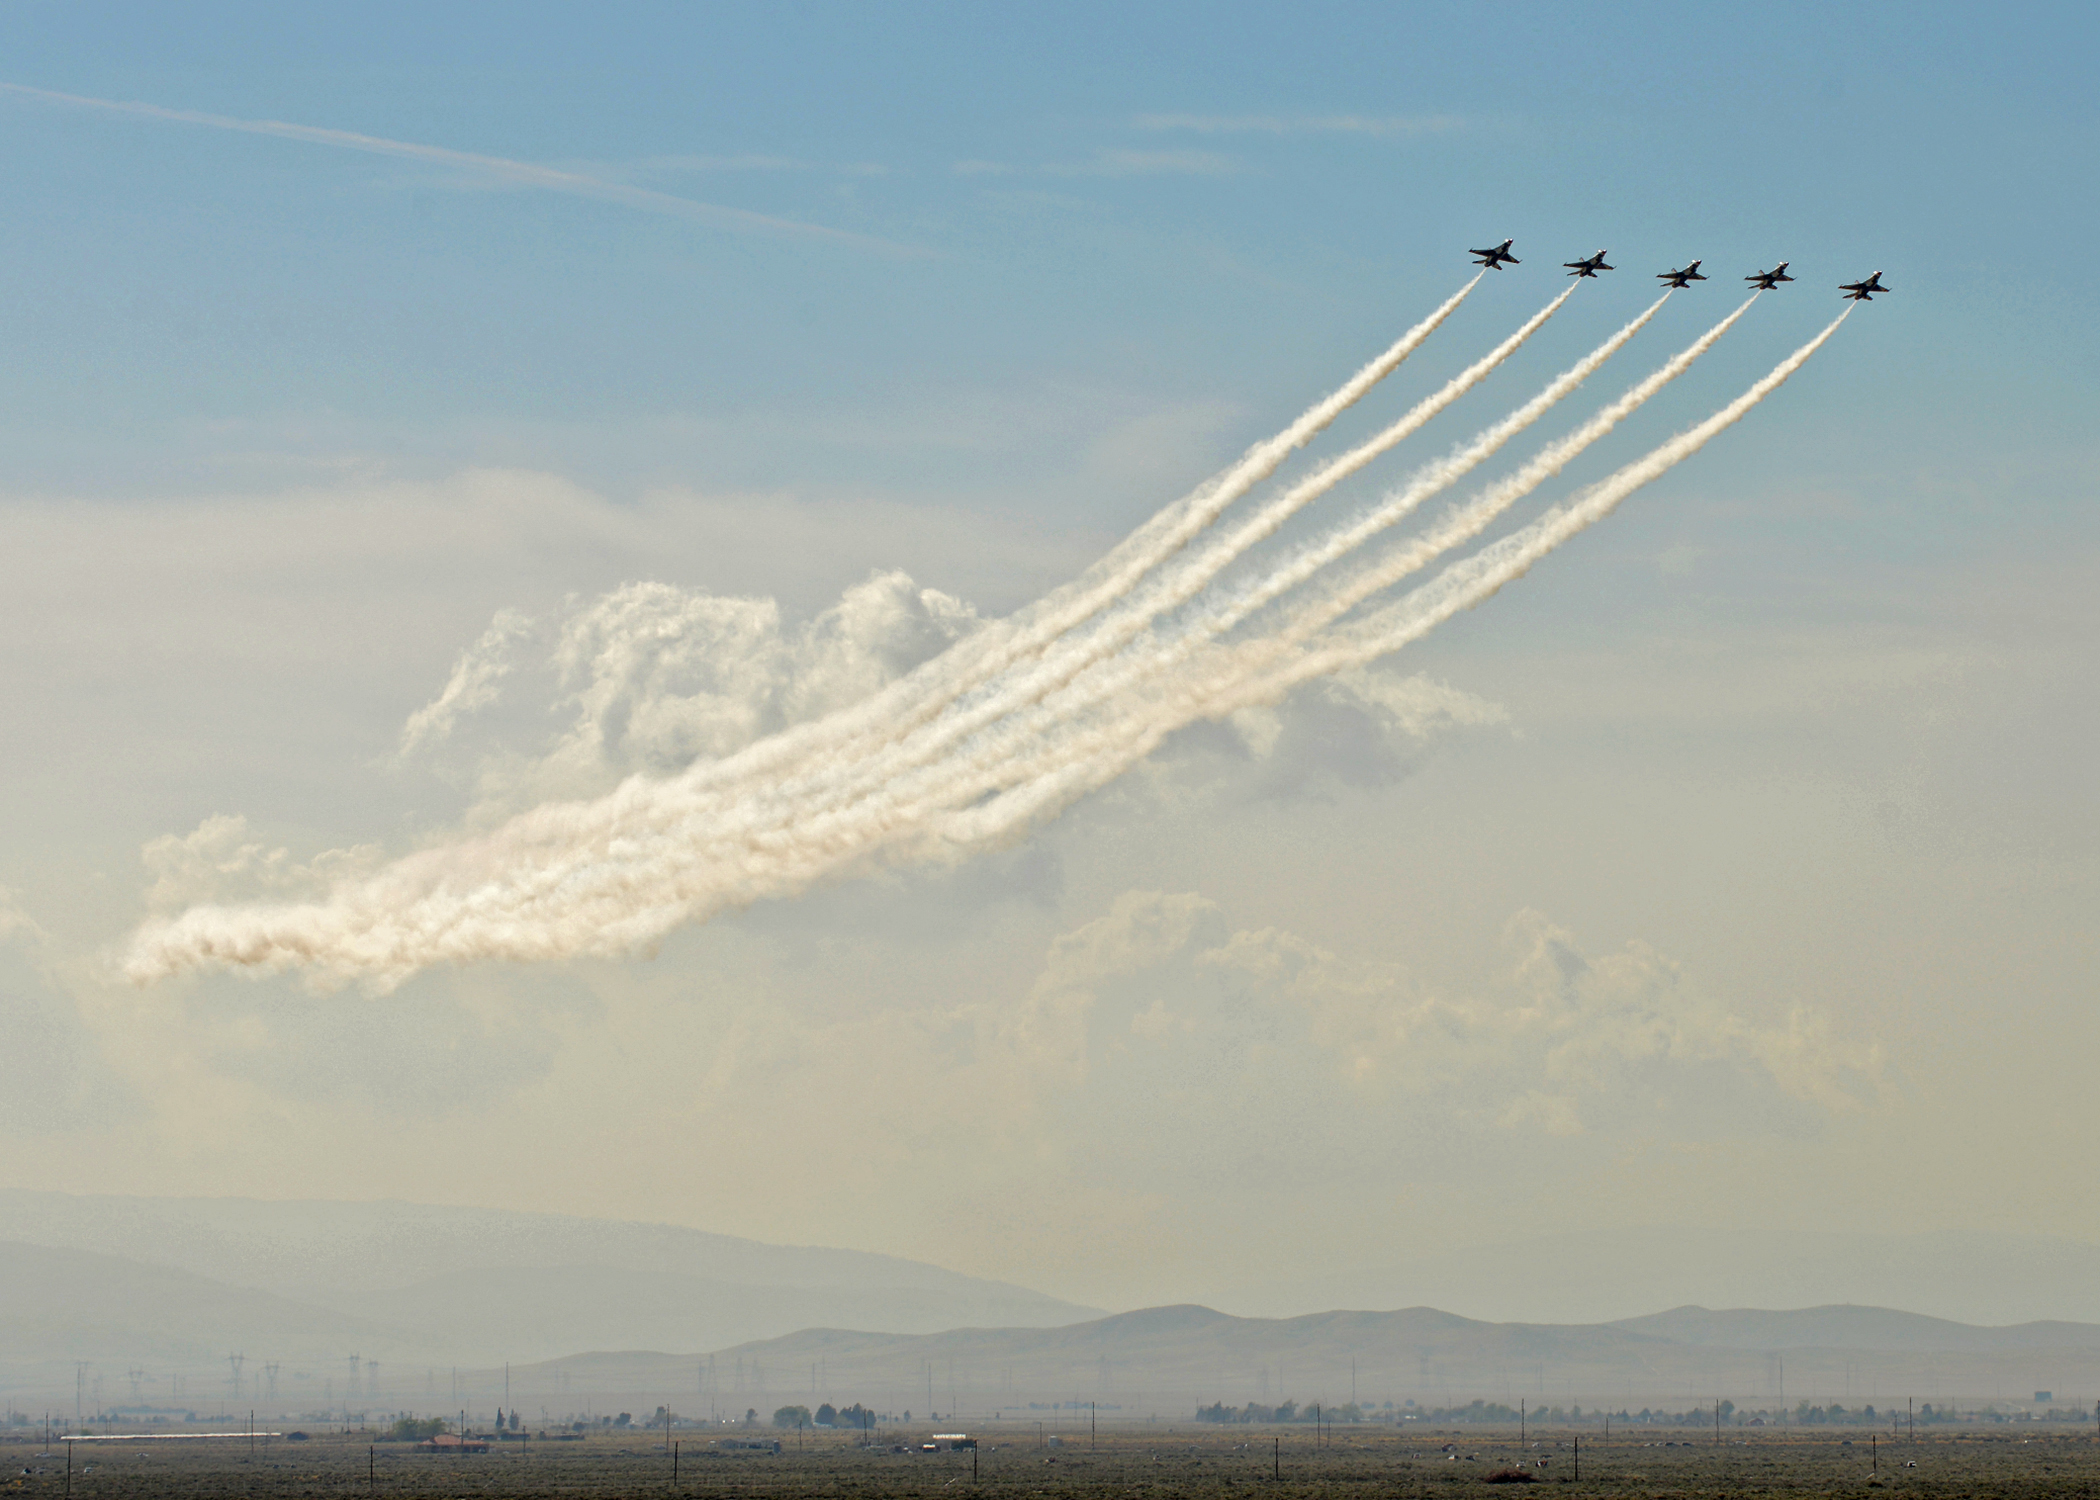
1499, 256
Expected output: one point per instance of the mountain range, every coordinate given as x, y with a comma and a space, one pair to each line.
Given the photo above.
183, 1282
356, 1306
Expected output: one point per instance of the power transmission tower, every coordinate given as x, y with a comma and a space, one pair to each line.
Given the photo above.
236, 1361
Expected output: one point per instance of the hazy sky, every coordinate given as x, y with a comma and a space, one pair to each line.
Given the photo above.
1736, 867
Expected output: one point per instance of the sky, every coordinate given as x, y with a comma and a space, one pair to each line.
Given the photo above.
417, 417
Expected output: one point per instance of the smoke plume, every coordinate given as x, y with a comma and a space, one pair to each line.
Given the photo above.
989, 745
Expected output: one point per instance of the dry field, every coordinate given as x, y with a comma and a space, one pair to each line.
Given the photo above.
1155, 1461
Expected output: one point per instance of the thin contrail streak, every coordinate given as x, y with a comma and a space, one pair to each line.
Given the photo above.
502, 168
1252, 675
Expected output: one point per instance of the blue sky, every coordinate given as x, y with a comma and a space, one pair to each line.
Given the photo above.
1222, 202
1750, 841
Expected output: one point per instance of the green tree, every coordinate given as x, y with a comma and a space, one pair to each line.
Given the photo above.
791, 1416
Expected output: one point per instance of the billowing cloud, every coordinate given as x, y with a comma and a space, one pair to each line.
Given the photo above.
473, 684
221, 859
651, 677
1561, 1041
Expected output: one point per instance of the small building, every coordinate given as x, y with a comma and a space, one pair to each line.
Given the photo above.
453, 1442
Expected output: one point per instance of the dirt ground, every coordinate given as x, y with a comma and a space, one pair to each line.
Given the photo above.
1183, 1460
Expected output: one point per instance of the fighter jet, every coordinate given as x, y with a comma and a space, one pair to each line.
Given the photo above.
1679, 280
1863, 291
1588, 267
1496, 258
1766, 280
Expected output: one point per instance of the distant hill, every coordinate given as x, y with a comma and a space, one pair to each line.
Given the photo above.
1170, 1360
1989, 1277
403, 1282
57, 1306
169, 1287
1849, 1327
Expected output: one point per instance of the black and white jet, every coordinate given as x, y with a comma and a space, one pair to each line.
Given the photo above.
1588, 267
1863, 291
1766, 280
1679, 280
1496, 258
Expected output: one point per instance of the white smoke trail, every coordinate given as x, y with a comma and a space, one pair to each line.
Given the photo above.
1104, 675
1064, 661
1436, 477
419, 909
608, 876
1262, 671
876, 785
910, 701
1464, 522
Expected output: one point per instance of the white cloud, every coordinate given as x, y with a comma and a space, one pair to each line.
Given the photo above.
654, 677
1561, 1037
1369, 726
473, 683
221, 860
